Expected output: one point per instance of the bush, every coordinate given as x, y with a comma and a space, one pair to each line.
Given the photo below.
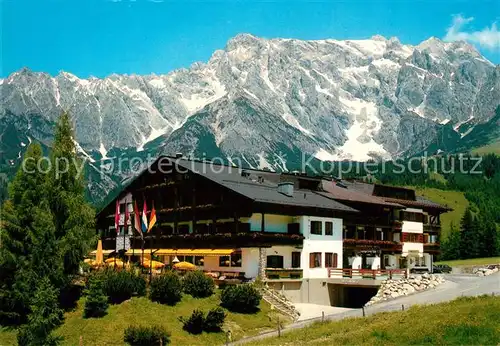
198, 284
241, 298
166, 288
141, 335
214, 320
121, 285
96, 302
195, 323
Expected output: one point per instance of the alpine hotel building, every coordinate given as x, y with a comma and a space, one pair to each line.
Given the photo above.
278, 226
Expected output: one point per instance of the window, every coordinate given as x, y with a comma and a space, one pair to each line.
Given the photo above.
236, 259
274, 261
224, 261
189, 259
296, 259
331, 260
328, 228
316, 227
199, 261
410, 216
315, 260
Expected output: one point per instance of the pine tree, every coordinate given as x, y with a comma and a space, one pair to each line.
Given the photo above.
73, 216
488, 237
96, 302
26, 194
469, 236
45, 316
450, 247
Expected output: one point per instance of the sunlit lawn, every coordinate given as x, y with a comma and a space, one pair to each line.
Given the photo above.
472, 262
453, 199
109, 329
465, 321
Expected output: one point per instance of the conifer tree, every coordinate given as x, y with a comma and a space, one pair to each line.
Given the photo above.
469, 236
450, 247
45, 316
26, 193
73, 216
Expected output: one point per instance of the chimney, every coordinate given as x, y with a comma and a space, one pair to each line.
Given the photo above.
286, 188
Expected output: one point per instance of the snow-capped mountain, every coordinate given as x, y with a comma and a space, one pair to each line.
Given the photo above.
261, 100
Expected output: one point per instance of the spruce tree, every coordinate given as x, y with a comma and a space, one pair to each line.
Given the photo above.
26, 193
469, 236
488, 237
45, 316
73, 216
450, 247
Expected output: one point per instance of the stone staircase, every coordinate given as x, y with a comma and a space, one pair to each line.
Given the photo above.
280, 302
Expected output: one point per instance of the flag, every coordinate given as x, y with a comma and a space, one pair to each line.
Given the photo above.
137, 221
152, 218
144, 223
117, 215
127, 216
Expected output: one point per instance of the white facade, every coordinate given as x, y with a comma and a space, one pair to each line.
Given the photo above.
315, 243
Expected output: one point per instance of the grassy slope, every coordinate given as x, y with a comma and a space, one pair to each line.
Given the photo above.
453, 199
493, 148
109, 329
472, 262
465, 321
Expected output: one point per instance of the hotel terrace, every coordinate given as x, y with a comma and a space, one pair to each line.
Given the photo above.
247, 223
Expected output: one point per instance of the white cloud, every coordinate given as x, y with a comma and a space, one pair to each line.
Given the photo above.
488, 38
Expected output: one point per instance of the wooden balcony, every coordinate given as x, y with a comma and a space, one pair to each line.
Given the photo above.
433, 248
218, 240
373, 244
432, 228
366, 273
283, 273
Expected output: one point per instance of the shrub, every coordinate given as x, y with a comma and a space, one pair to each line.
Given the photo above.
141, 335
166, 288
198, 284
96, 302
241, 298
195, 323
214, 320
121, 285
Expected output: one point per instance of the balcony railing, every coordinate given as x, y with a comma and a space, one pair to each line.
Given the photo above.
366, 273
283, 273
432, 247
382, 244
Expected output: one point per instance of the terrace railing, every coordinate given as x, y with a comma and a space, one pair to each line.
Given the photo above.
366, 273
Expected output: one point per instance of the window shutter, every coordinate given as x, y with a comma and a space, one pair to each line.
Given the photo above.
311, 260
404, 237
420, 238
335, 260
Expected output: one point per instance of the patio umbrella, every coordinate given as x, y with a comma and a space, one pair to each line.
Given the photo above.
99, 257
153, 264
111, 260
184, 266
119, 263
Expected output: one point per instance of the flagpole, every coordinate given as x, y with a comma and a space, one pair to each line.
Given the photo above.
151, 258
125, 230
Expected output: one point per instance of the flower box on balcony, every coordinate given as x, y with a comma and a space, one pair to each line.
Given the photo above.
283, 273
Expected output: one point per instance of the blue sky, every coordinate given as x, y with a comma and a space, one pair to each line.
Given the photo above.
91, 37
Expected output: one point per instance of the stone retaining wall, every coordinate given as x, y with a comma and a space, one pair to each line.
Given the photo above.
390, 289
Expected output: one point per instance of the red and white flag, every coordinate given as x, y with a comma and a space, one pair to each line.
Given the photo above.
117, 215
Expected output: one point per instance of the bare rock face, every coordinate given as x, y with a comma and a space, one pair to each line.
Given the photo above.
266, 102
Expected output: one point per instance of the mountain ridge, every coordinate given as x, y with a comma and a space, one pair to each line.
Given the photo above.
265, 100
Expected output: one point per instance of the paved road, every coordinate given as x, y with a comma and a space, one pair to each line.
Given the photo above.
455, 286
